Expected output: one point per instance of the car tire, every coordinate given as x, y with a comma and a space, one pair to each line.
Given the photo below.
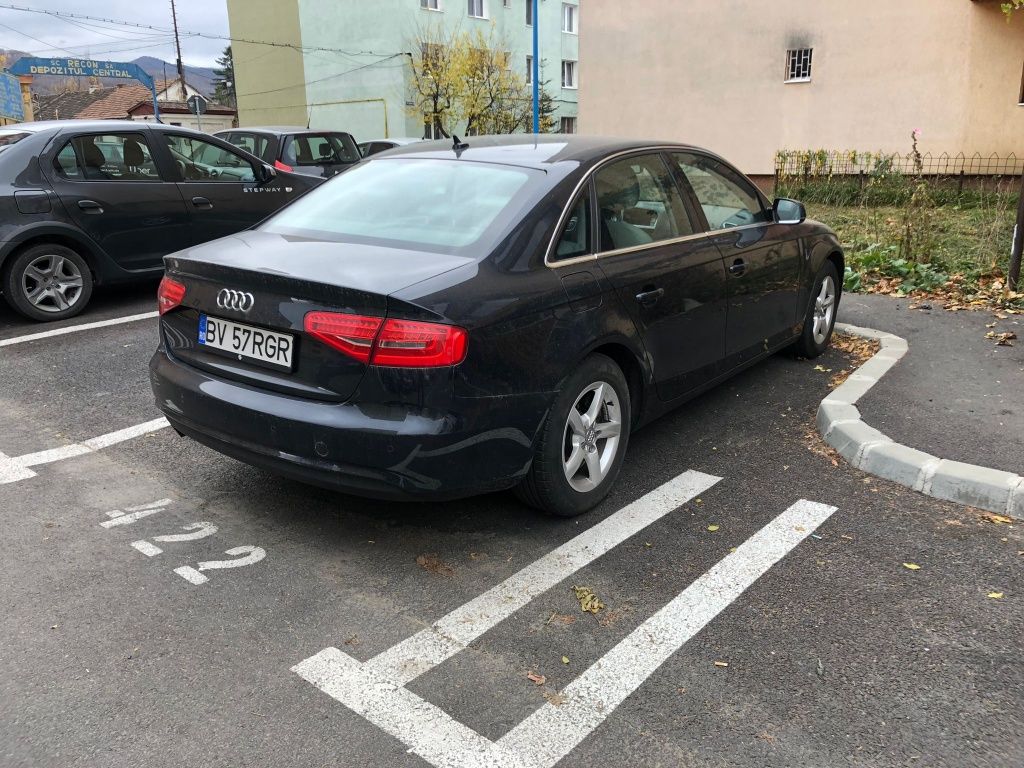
571, 446
820, 318
47, 282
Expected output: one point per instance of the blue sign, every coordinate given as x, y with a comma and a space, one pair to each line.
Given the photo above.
11, 105
86, 68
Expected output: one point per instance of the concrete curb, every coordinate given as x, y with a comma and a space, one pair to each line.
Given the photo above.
840, 424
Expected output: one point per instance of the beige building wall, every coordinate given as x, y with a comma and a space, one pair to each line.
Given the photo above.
270, 81
712, 72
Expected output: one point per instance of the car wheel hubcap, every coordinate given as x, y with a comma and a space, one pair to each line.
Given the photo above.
591, 438
824, 309
52, 283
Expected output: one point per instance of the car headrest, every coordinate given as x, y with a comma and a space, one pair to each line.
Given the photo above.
133, 153
324, 149
617, 185
93, 156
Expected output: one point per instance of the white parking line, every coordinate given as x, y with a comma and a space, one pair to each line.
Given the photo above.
409, 659
15, 468
77, 328
553, 731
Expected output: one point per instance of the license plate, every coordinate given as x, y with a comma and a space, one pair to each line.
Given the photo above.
246, 342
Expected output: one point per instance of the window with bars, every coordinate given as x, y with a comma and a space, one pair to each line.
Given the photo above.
569, 13
798, 65
568, 74
567, 125
476, 9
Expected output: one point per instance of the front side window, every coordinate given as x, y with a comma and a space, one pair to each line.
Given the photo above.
727, 199
431, 205
574, 239
798, 65
320, 149
568, 74
569, 18
200, 160
111, 157
638, 203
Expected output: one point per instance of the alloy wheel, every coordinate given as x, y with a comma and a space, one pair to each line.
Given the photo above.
52, 283
824, 309
591, 437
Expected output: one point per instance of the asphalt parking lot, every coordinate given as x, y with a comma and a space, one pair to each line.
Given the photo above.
164, 605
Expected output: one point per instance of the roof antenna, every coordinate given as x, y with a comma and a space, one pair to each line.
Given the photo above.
458, 146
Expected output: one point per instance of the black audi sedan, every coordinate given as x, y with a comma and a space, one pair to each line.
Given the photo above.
87, 202
445, 320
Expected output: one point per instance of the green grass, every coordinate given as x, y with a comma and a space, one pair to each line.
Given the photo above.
944, 242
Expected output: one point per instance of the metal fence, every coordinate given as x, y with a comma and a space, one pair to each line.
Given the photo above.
823, 163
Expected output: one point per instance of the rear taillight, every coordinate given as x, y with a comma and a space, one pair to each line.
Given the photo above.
282, 167
169, 295
390, 343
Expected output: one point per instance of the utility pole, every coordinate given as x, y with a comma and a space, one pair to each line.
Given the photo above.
536, 69
1013, 281
177, 46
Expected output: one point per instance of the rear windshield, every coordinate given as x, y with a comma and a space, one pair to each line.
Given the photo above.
320, 149
414, 203
7, 138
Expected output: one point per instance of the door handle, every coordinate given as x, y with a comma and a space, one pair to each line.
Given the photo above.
90, 206
650, 296
201, 202
738, 267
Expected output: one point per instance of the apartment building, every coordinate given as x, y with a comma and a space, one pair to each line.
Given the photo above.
346, 64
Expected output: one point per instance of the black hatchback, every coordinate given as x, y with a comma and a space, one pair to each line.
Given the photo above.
297, 150
89, 202
446, 320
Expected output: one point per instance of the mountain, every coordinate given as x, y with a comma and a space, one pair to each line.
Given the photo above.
198, 77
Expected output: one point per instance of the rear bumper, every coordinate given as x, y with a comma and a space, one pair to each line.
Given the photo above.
381, 451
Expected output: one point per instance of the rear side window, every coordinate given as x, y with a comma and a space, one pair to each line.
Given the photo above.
252, 143
727, 199
7, 138
574, 240
638, 203
109, 157
320, 149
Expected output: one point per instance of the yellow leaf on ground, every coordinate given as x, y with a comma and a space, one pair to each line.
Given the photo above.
992, 517
565, 659
712, 528
589, 602
996, 595
912, 566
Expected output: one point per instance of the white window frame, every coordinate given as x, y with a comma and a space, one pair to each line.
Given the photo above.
574, 69
483, 9
432, 5
562, 122
799, 60
570, 11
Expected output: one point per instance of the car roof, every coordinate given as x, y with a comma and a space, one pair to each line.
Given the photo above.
396, 140
529, 150
92, 125
280, 129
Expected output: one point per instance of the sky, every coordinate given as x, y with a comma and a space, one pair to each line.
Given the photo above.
43, 35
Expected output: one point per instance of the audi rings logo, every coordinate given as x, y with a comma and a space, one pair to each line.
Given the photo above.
231, 299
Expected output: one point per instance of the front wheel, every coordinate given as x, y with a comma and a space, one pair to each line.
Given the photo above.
47, 282
820, 318
582, 442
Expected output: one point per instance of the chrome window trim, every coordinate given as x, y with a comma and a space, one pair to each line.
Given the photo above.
659, 148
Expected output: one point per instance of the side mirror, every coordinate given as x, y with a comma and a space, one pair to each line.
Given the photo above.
786, 211
265, 173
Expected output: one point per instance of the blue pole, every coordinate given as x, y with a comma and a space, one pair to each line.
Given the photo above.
536, 71
156, 105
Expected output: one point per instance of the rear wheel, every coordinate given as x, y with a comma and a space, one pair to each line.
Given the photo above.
821, 313
582, 443
47, 282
